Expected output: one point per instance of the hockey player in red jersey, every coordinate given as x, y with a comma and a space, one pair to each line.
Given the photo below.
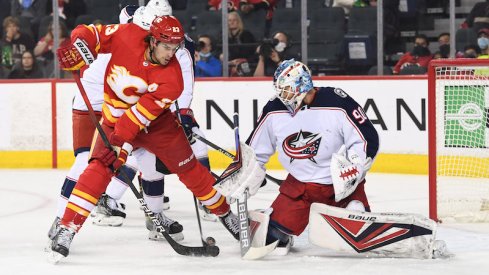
142, 80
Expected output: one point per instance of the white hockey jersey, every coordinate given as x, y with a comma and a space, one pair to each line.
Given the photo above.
305, 142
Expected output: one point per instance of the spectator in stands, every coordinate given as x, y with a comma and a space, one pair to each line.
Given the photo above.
14, 42
27, 68
483, 42
419, 56
206, 64
285, 47
34, 10
70, 10
347, 5
268, 60
478, 17
240, 40
471, 51
444, 45
44, 48
247, 6
233, 5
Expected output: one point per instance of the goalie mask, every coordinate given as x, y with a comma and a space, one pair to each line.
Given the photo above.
292, 80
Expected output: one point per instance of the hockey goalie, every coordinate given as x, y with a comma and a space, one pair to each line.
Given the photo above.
327, 144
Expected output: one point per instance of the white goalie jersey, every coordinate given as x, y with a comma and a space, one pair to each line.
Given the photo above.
306, 142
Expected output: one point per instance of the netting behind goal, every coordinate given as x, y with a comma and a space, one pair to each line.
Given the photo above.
459, 140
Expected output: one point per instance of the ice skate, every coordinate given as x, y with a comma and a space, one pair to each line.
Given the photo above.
52, 233
171, 226
166, 203
231, 222
109, 212
282, 248
206, 215
60, 245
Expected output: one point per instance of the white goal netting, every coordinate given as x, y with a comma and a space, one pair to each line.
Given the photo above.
462, 143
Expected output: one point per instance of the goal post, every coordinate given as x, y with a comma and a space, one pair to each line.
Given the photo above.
458, 133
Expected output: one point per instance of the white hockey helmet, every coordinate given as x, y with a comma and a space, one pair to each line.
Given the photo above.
144, 16
292, 80
127, 13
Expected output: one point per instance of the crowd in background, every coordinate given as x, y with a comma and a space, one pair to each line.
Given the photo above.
27, 40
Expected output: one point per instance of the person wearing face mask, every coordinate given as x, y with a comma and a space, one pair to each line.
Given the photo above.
285, 47
206, 64
483, 43
419, 56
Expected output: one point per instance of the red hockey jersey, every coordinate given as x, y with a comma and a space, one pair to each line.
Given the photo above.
135, 90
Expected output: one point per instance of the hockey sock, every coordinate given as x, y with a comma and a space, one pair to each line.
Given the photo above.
153, 194
81, 162
85, 194
66, 190
205, 162
118, 184
200, 182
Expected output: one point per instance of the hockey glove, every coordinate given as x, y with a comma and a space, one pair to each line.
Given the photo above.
347, 172
188, 122
121, 148
116, 156
75, 56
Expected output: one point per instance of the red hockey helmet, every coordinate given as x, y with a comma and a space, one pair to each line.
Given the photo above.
167, 29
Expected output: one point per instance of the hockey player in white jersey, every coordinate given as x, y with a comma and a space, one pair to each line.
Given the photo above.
327, 144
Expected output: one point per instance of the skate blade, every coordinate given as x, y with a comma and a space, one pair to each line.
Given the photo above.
155, 236
47, 248
209, 217
103, 220
54, 257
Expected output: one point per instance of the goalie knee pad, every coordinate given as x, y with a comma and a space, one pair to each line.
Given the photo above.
355, 205
275, 233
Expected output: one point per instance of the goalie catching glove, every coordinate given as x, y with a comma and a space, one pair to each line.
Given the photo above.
75, 56
249, 177
348, 169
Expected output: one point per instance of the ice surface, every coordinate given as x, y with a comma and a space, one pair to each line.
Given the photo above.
28, 205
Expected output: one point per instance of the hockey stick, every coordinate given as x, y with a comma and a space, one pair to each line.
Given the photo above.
228, 154
179, 248
208, 240
244, 227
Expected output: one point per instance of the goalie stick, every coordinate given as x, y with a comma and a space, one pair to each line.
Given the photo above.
228, 154
244, 227
179, 248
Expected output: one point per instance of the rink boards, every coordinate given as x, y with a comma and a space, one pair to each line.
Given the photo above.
35, 129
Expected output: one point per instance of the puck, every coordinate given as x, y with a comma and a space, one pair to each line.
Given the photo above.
210, 241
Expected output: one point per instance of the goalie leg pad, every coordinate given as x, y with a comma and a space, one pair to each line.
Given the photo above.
372, 234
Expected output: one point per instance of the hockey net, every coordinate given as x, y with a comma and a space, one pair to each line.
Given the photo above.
459, 140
